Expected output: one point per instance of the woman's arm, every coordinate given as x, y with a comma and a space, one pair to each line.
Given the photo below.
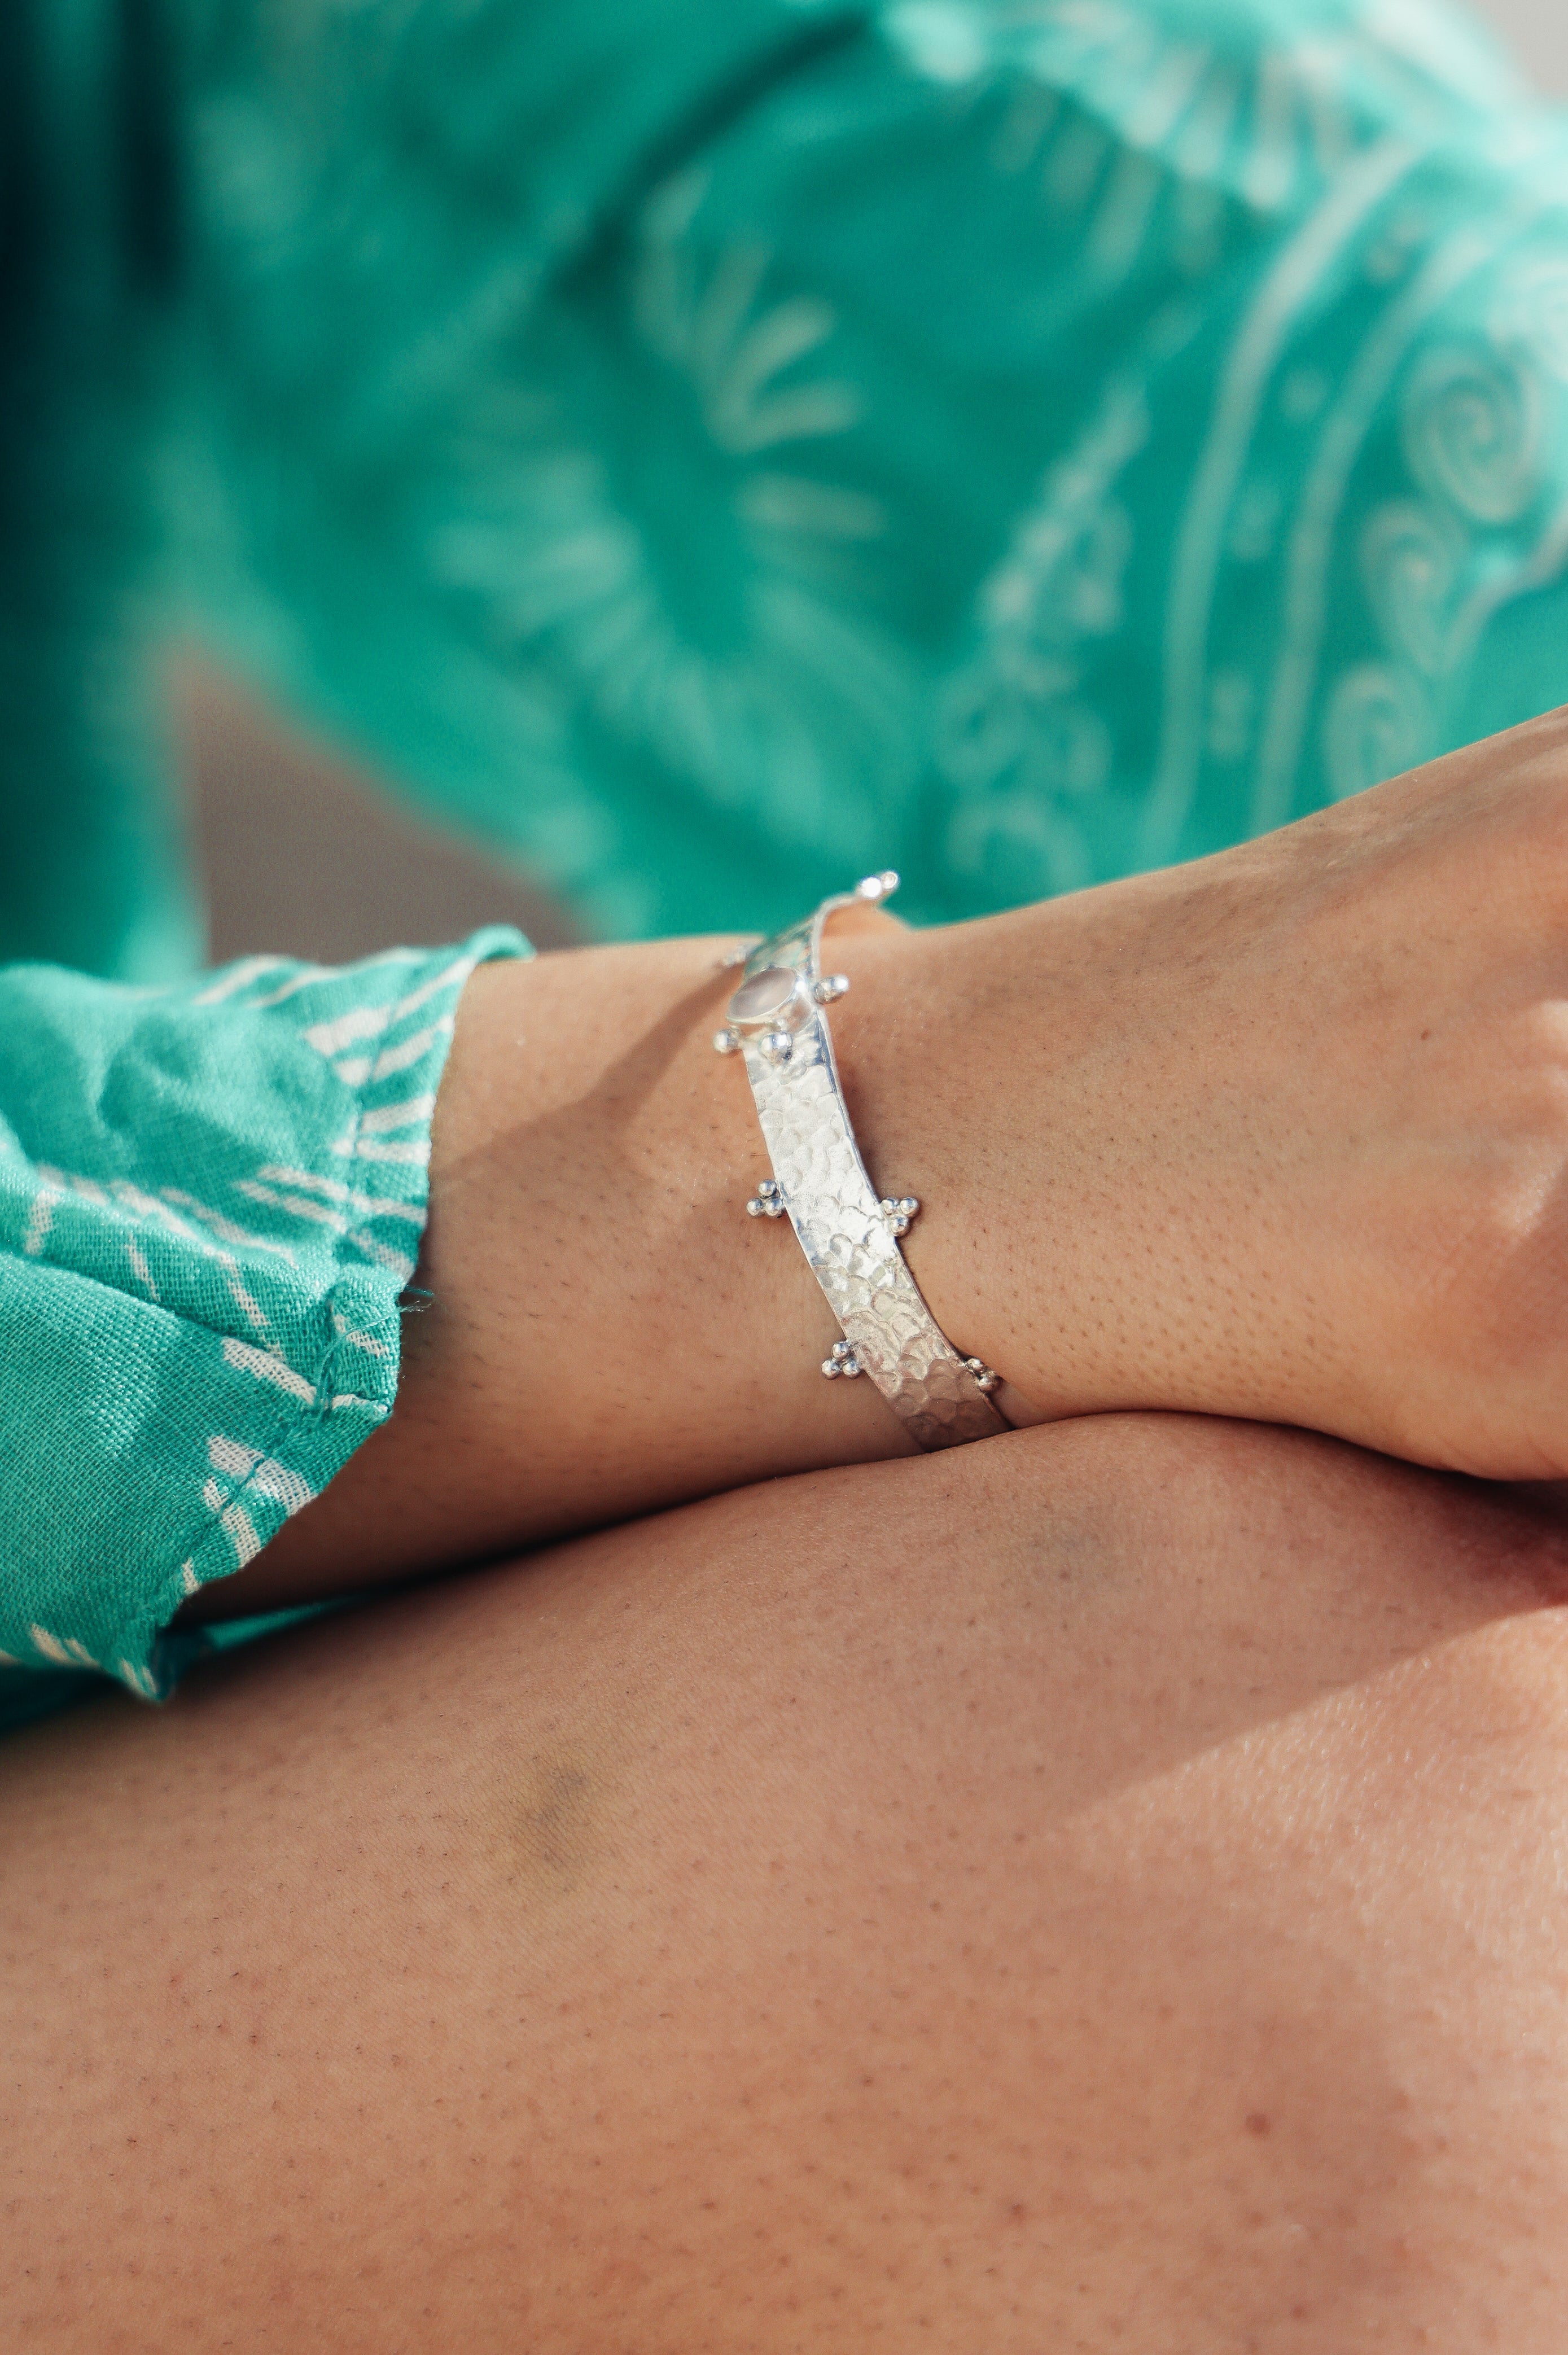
1100, 1889
1282, 1135
606, 1331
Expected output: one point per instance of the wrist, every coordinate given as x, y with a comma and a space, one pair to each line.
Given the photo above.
605, 1332
931, 1075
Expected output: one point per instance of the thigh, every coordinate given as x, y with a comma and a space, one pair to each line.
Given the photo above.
1099, 1890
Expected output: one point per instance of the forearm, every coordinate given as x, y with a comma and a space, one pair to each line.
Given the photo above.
1127, 1854
605, 1331
1283, 1135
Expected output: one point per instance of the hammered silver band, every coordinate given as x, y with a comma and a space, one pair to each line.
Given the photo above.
849, 1232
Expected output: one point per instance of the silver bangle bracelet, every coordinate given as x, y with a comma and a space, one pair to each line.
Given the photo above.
849, 1233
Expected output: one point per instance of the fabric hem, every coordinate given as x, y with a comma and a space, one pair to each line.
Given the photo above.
313, 1447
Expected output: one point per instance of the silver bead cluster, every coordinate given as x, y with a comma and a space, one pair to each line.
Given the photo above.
777, 1045
842, 1360
878, 887
726, 1041
767, 1202
985, 1379
829, 987
899, 1213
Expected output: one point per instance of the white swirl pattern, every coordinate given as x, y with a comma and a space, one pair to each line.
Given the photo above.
1472, 424
1379, 721
1411, 563
1021, 440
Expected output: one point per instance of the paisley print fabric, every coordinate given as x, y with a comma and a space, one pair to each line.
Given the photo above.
1023, 440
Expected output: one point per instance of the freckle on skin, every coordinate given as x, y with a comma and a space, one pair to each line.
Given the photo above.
1257, 2123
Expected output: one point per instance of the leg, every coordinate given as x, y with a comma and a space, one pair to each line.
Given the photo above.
1097, 1890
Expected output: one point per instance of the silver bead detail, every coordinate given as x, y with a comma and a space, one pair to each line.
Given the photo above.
985, 1379
842, 1360
767, 1202
830, 986
777, 1046
726, 1041
900, 1212
878, 887
740, 951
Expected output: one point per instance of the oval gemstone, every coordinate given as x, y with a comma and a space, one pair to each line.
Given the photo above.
765, 996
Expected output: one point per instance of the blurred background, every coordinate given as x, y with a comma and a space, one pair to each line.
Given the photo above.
1537, 31
302, 854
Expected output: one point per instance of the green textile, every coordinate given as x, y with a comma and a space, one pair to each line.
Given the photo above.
211, 1196
709, 448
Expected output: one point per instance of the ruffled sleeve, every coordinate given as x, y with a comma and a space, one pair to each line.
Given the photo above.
211, 1198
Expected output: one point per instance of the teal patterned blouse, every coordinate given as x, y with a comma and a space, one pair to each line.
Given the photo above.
708, 448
